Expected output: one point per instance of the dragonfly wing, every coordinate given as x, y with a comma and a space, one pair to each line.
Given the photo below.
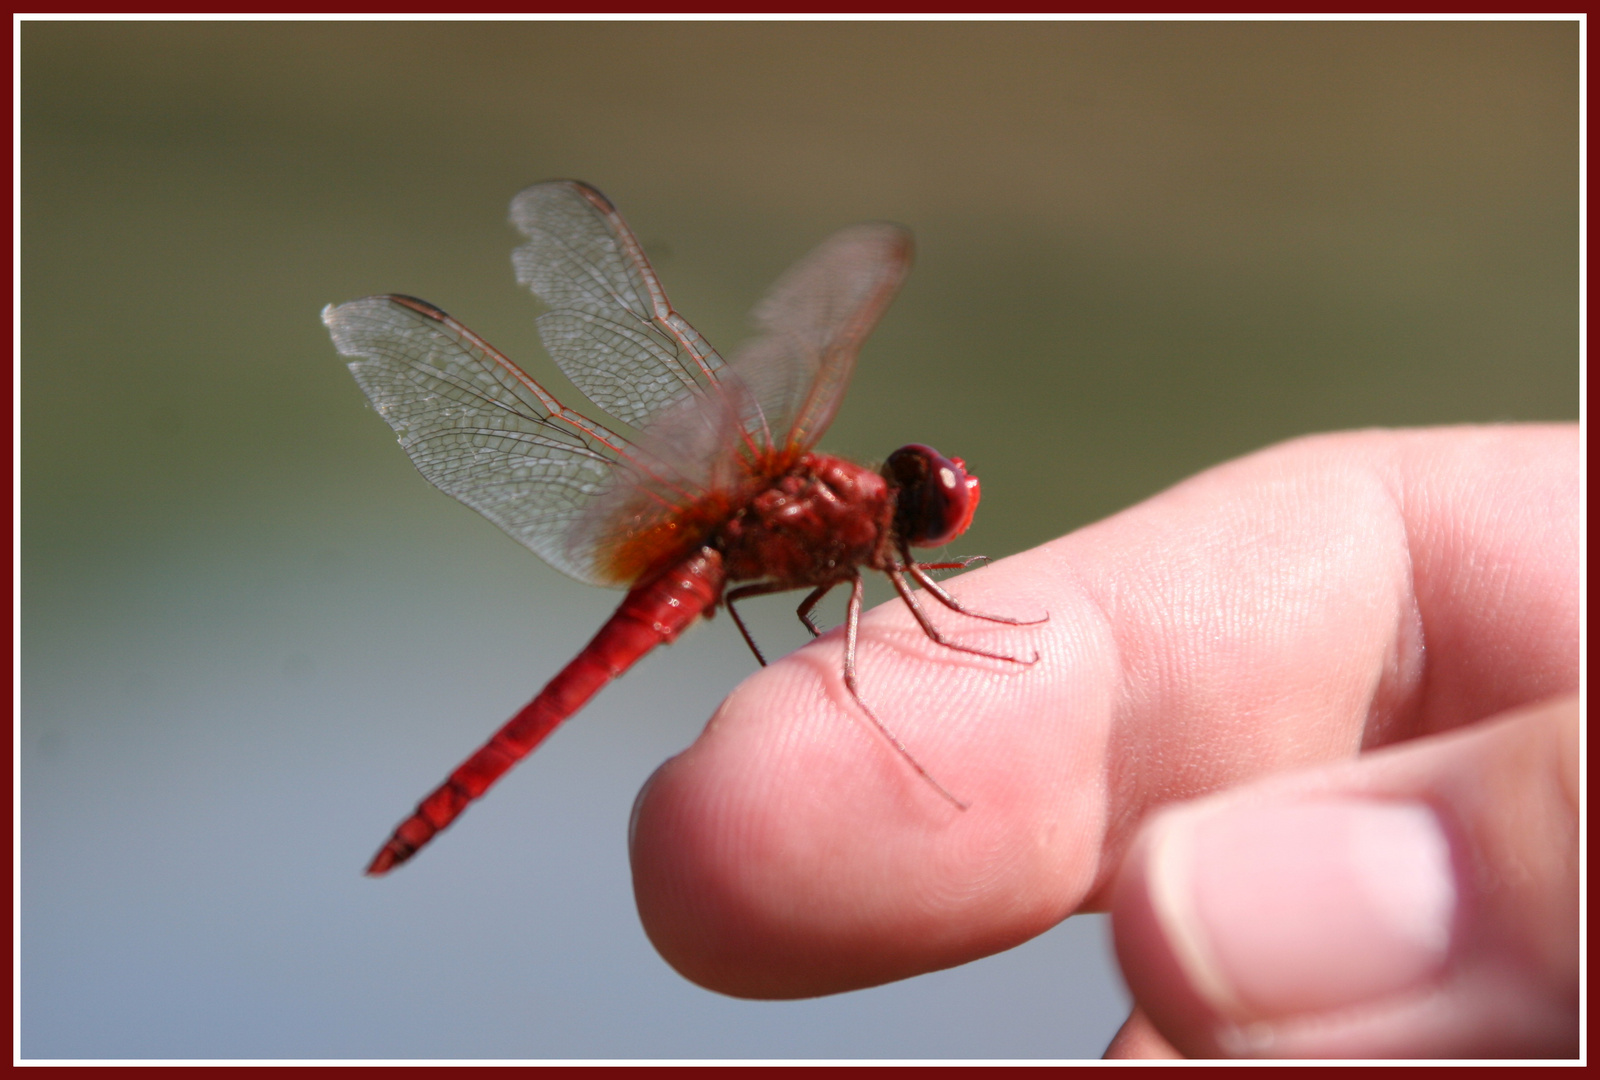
813, 322
485, 433
610, 329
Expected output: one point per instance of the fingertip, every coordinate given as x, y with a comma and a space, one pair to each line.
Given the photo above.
1149, 958
1419, 901
746, 883
792, 852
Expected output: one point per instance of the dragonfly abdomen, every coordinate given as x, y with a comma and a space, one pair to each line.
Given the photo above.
653, 613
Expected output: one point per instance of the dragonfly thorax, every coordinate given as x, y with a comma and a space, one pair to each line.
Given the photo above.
813, 525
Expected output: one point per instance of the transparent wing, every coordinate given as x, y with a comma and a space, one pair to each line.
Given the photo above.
610, 329
588, 501
613, 332
485, 433
812, 323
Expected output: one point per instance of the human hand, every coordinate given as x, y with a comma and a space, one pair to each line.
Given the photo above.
1294, 608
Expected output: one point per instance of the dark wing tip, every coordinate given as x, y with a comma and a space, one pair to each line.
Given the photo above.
421, 307
331, 312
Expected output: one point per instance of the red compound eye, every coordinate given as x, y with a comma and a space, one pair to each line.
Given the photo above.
935, 497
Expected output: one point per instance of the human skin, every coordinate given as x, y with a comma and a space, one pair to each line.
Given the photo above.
1265, 629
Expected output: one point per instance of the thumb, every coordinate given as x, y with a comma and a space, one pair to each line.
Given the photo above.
1417, 901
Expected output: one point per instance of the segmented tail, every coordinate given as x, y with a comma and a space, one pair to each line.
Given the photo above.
652, 614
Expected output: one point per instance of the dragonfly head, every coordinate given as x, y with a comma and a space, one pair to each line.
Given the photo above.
935, 496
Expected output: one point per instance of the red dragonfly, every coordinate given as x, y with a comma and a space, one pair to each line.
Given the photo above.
718, 484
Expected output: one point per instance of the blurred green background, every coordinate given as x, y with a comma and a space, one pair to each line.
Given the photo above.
253, 636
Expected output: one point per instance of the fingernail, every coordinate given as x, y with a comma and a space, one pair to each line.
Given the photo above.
1278, 909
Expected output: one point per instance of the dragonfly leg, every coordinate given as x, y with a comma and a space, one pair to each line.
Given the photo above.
963, 563
744, 592
937, 591
904, 589
812, 599
762, 588
851, 633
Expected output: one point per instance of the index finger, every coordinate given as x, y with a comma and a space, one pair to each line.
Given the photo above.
1299, 605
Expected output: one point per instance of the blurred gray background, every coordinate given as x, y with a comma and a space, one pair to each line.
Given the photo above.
253, 636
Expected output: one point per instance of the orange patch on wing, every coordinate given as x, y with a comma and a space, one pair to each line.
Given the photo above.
651, 541
656, 535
